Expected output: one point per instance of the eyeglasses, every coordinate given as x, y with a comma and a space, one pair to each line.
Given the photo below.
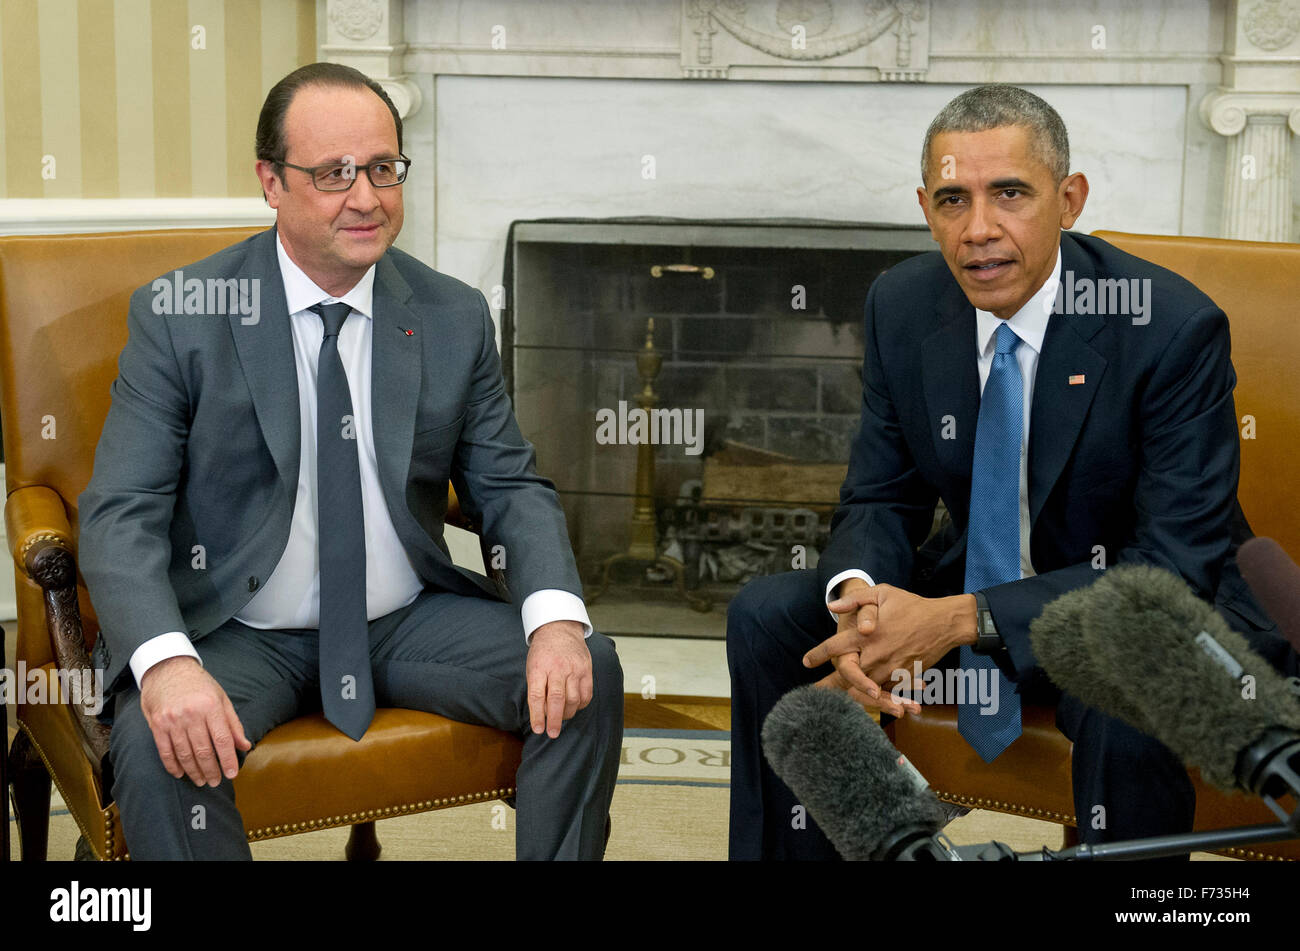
339, 176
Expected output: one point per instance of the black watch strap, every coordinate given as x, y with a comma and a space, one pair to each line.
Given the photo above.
987, 638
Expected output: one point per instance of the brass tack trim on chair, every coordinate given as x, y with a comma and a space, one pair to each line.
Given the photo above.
45, 760
36, 539
1255, 856
330, 822
998, 805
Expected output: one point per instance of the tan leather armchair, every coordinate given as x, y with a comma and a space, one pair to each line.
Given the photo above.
63, 306
1258, 286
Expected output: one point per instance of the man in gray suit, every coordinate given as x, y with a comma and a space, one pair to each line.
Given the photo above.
263, 532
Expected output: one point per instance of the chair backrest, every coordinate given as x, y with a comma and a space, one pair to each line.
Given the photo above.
63, 306
1257, 283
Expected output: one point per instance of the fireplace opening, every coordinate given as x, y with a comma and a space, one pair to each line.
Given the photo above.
692, 389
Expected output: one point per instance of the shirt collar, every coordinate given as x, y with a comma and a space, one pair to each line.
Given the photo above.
1029, 322
301, 292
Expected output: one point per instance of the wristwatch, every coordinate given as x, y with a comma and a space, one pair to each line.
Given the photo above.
987, 638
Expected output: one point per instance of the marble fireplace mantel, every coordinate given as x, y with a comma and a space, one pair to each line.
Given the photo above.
1181, 111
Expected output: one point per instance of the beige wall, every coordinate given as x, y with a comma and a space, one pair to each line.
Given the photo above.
117, 95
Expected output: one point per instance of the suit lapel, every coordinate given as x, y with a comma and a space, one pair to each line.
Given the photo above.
265, 351
950, 377
394, 377
1059, 406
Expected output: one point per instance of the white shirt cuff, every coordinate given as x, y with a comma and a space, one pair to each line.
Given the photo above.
552, 604
842, 576
160, 648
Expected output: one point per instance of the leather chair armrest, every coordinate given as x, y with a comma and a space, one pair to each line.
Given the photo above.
36, 519
41, 536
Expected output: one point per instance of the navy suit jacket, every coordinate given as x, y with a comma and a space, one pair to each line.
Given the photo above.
1141, 458
201, 446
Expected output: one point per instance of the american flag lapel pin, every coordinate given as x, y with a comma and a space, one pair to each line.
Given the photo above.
409, 333
1077, 379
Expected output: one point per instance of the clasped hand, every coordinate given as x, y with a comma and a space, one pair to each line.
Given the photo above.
883, 629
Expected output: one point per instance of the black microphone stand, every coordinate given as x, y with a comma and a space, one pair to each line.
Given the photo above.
1265, 768
1155, 847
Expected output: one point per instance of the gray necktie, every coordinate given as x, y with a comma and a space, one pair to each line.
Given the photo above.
347, 692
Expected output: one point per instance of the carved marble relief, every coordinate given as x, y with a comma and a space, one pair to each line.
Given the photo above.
889, 36
1271, 24
357, 20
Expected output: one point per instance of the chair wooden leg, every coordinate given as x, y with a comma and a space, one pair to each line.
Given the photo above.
31, 786
1070, 838
363, 844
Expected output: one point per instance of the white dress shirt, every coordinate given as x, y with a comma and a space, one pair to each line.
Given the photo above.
290, 597
1030, 325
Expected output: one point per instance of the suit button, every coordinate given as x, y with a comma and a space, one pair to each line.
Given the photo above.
252, 584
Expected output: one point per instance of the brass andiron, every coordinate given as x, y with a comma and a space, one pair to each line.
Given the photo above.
642, 546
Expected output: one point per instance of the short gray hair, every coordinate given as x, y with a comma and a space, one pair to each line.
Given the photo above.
997, 105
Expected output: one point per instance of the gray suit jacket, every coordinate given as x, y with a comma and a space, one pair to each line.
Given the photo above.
201, 448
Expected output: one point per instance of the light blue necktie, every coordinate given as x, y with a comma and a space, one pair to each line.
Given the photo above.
993, 537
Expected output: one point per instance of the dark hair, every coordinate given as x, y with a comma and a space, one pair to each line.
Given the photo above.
997, 105
269, 142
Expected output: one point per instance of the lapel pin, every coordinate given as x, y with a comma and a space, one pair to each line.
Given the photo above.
409, 333
1075, 380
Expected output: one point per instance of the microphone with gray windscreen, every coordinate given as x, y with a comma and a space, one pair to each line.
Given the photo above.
1057, 639
871, 803
1140, 645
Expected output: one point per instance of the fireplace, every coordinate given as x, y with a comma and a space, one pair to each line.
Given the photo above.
725, 356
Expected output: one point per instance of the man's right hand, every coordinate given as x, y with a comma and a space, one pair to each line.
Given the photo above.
193, 722
857, 614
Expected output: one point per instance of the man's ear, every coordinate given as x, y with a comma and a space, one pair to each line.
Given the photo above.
270, 181
923, 199
1074, 194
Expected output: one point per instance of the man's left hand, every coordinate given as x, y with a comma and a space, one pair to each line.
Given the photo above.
559, 675
907, 628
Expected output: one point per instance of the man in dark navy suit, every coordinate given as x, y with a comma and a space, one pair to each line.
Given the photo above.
1068, 421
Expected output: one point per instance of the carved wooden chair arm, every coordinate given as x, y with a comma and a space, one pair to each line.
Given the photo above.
41, 536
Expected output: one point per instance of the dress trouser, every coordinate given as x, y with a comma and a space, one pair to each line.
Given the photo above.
460, 657
1140, 786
